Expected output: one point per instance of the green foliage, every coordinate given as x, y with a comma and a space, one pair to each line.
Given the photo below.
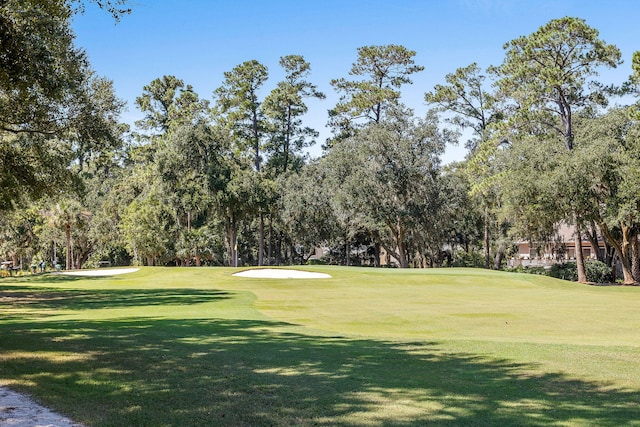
550, 78
156, 102
466, 96
204, 179
534, 176
386, 180
609, 147
541, 271
472, 259
30, 167
53, 110
384, 69
99, 134
597, 272
20, 233
461, 217
548, 73
146, 228
167, 102
284, 108
306, 211
41, 71
564, 271
238, 107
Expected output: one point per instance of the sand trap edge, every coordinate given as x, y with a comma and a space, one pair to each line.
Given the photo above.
105, 272
273, 273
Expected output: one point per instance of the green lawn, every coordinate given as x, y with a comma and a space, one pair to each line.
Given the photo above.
368, 347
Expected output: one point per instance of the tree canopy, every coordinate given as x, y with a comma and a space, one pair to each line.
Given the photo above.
380, 72
228, 181
53, 110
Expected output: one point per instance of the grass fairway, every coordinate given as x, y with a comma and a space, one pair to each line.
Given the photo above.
444, 347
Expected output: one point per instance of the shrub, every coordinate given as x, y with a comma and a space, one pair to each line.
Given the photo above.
471, 259
564, 271
541, 271
596, 271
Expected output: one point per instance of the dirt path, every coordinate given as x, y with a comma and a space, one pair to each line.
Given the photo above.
18, 410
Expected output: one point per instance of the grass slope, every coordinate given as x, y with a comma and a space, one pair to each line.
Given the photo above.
181, 347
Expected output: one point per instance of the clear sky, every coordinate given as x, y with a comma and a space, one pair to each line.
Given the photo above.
198, 40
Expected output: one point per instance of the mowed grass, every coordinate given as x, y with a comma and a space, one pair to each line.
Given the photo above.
368, 347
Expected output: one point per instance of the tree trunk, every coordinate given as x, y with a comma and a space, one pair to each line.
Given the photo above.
256, 137
68, 243
592, 235
279, 249
234, 247
304, 259
623, 256
53, 255
611, 261
287, 140
622, 251
347, 250
81, 257
270, 239
232, 241
498, 259
291, 252
582, 275
402, 249
568, 127
635, 262
487, 242
261, 240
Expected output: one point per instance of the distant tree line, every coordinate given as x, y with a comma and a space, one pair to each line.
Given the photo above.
225, 180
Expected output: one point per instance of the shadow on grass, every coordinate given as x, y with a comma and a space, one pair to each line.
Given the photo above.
40, 298
156, 372
49, 278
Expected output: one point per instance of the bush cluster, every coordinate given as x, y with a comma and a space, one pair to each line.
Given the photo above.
529, 270
471, 259
596, 271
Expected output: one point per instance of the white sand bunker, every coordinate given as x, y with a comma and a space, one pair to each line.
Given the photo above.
273, 273
102, 272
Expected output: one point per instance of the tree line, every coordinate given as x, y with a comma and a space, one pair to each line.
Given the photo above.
225, 179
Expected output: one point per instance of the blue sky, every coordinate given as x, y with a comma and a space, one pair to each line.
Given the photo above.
198, 40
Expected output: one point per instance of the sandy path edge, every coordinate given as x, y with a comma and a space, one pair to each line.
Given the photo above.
18, 410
